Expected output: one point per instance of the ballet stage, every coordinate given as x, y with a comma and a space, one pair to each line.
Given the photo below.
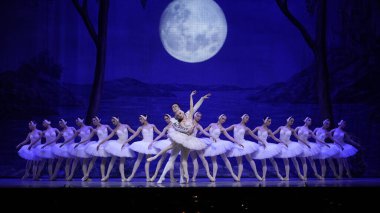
224, 195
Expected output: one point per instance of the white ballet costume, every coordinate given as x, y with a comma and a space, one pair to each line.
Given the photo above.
325, 152
47, 152
102, 133
114, 146
219, 146
269, 151
348, 150
27, 154
142, 146
80, 150
304, 134
293, 150
64, 150
189, 141
249, 146
162, 144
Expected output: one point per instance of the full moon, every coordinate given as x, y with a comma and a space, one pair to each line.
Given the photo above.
193, 30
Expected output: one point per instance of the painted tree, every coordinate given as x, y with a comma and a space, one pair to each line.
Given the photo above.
319, 48
100, 40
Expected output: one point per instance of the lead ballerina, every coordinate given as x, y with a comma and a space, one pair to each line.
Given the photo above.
182, 138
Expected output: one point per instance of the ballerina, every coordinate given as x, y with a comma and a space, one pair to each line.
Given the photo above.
77, 150
327, 150
96, 151
27, 151
220, 147
183, 139
141, 147
310, 149
163, 144
292, 150
266, 149
44, 151
244, 147
200, 153
346, 150
61, 150
114, 147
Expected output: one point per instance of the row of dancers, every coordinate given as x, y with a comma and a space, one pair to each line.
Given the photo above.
183, 138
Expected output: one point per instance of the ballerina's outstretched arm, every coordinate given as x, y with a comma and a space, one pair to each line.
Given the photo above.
72, 138
56, 139
316, 139
275, 138
225, 133
199, 103
252, 134
132, 137
113, 132
299, 139
93, 131
159, 136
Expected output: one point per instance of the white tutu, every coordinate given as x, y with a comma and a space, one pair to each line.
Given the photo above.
162, 144
249, 148
142, 147
218, 147
348, 150
188, 141
62, 151
266, 152
46, 152
80, 151
27, 154
326, 152
91, 149
309, 152
114, 148
293, 150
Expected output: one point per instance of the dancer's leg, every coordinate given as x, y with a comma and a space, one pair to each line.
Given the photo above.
264, 165
332, 166
304, 167
287, 168
274, 164
253, 166
110, 167
57, 167
314, 167
184, 157
161, 152
201, 155
193, 155
239, 161
159, 164
121, 169
170, 164
136, 166
27, 169
229, 167
147, 164
323, 167
296, 165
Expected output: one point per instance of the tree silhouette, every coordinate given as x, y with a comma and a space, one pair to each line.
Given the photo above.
100, 40
318, 46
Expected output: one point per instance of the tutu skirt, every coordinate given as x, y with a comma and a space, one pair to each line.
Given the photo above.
27, 154
309, 152
188, 141
326, 152
63, 151
237, 151
348, 151
79, 151
293, 150
46, 153
162, 144
114, 148
266, 152
217, 148
91, 149
142, 147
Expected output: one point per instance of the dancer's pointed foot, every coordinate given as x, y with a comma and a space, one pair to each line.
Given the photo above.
279, 176
173, 180
104, 179
211, 178
123, 179
160, 180
286, 178
129, 179
318, 176
85, 178
193, 179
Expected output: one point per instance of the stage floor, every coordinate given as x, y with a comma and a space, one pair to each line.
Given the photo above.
224, 195
201, 182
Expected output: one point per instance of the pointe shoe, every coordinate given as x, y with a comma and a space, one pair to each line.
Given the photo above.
280, 177
160, 180
235, 178
124, 180
129, 179
318, 176
286, 178
193, 179
105, 179
173, 180
84, 178
25, 176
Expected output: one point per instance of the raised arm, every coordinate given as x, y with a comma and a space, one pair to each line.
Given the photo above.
199, 103
191, 113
